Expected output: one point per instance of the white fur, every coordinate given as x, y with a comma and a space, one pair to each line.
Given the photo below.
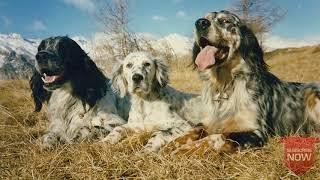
69, 121
155, 107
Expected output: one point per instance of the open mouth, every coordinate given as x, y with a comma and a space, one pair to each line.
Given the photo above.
211, 54
49, 79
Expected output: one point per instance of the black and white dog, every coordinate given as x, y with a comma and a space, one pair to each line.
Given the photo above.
81, 104
247, 103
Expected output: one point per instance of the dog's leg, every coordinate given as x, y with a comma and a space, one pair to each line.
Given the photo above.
49, 140
157, 140
103, 124
117, 134
161, 138
214, 141
229, 142
195, 134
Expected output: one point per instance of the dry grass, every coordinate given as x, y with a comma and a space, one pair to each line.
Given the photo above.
20, 155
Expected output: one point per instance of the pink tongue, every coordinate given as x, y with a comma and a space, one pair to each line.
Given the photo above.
206, 57
50, 78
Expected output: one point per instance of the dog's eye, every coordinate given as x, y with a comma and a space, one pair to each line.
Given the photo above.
129, 65
146, 64
225, 21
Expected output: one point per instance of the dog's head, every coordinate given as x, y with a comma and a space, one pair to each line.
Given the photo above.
55, 59
61, 63
220, 38
217, 38
140, 74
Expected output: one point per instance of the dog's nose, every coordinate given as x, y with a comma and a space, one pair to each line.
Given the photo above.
202, 24
137, 78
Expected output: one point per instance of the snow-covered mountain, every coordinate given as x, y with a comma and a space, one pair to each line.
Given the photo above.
16, 56
17, 53
15, 42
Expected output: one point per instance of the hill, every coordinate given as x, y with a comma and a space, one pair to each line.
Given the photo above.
296, 64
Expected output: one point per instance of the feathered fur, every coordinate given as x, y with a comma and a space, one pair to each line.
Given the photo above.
246, 102
156, 107
81, 104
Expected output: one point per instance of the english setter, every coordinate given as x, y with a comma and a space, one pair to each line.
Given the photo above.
81, 104
247, 103
155, 107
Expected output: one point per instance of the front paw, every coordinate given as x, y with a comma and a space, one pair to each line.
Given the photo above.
193, 135
49, 140
198, 147
110, 139
149, 148
98, 133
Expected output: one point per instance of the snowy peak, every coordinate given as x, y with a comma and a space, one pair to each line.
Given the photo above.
17, 53
15, 42
16, 56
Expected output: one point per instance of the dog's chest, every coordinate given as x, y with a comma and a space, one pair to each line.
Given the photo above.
151, 115
226, 104
66, 111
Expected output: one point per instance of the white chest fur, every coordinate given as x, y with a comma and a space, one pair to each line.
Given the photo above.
237, 103
66, 114
152, 115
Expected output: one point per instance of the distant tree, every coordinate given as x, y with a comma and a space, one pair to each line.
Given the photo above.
113, 14
259, 15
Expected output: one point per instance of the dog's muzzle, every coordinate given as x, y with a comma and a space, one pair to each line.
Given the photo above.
137, 78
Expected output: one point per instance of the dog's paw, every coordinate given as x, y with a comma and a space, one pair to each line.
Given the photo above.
215, 142
48, 141
191, 136
110, 139
198, 147
98, 133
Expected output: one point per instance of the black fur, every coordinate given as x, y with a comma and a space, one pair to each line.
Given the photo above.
39, 94
88, 83
251, 51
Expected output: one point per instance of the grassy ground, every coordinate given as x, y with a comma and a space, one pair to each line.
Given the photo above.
21, 156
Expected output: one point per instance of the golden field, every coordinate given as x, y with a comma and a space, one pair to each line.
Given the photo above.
22, 157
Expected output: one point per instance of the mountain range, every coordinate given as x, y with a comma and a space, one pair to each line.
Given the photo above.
17, 53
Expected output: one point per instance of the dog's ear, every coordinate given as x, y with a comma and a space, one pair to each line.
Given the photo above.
88, 82
39, 94
251, 51
161, 72
118, 82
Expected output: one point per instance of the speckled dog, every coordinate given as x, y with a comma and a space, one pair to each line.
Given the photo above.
81, 103
155, 106
246, 102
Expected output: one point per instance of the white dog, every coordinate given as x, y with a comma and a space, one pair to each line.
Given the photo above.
154, 106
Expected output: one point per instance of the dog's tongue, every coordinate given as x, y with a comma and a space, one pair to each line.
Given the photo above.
206, 57
49, 79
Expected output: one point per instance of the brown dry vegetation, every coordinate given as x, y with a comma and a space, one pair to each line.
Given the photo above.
21, 156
